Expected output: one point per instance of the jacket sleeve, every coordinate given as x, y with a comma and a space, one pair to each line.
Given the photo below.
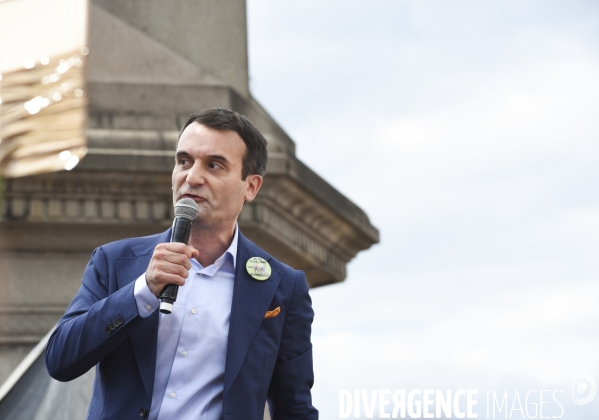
95, 322
289, 394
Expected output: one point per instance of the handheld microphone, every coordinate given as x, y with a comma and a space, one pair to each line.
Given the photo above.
186, 210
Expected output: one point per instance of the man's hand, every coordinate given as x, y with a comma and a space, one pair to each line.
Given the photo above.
170, 264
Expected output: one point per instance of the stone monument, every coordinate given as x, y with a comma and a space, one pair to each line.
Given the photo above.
150, 65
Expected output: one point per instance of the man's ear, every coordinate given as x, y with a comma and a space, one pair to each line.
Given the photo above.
254, 182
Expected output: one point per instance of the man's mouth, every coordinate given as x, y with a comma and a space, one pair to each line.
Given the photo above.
196, 198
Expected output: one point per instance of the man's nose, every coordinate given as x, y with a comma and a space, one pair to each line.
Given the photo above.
196, 174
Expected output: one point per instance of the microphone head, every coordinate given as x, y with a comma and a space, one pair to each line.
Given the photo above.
187, 208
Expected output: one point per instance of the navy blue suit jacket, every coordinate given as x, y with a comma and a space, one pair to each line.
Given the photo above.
266, 358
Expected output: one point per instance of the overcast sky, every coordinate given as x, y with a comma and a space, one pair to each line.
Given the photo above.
469, 133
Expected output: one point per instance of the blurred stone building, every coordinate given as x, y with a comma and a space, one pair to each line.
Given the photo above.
150, 65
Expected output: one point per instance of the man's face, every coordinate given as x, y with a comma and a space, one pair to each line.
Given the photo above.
207, 169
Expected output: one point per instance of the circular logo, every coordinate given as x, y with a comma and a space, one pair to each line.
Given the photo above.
258, 268
584, 388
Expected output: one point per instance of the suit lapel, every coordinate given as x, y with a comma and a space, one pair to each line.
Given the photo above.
250, 302
144, 337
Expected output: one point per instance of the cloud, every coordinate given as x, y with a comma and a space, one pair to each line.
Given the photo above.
468, 133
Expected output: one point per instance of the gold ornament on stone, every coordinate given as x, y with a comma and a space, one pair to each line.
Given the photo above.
42, 87
43, 116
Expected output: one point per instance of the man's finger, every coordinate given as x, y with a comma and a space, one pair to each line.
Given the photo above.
170, 268
176, 247
178, 259
158, 285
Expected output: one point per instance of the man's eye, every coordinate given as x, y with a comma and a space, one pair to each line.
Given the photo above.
183, 161
214, 165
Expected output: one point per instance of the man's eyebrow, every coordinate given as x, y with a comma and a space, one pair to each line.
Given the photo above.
219, 157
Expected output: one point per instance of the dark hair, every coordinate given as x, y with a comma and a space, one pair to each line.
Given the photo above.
221, 119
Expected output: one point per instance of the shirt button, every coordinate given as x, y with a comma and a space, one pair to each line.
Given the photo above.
184, 353
173, 395
201, 274
194, 311
148, 308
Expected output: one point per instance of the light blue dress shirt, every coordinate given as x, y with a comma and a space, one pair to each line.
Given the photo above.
192, 341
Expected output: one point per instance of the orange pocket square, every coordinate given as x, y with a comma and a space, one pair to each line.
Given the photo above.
273, 313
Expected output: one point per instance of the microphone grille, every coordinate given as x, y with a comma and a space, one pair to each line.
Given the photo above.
187, 208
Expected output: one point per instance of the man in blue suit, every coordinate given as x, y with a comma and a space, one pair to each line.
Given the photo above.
235, 338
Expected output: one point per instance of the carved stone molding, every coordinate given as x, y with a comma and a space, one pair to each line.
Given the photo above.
89, 198
27, 324
291, 242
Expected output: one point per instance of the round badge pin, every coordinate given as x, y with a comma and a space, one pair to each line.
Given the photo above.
258, 268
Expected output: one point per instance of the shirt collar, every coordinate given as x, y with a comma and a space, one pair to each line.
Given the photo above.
232, 250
